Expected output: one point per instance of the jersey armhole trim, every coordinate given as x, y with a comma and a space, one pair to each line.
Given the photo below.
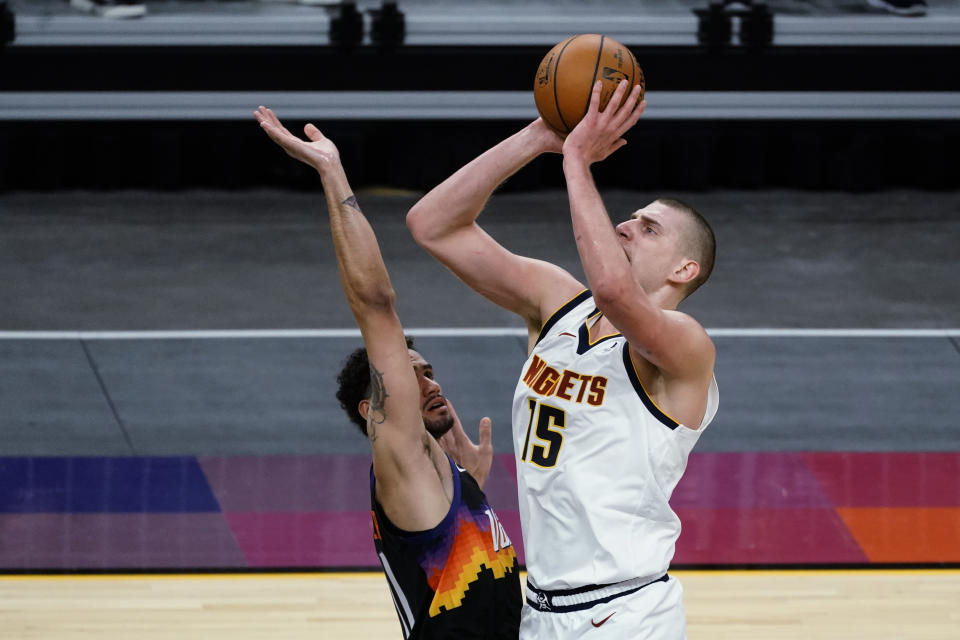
562, 311
638, 387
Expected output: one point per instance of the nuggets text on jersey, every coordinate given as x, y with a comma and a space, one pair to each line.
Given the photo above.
566, 384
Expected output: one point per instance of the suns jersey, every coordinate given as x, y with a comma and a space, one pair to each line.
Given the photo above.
597, 460
457, 580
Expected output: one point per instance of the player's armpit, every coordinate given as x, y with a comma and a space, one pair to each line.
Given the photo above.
416, 494
676, 375
672, 341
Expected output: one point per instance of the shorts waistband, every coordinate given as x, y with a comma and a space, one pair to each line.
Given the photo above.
566, 600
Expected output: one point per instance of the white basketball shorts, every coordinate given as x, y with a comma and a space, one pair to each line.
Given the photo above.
653, 612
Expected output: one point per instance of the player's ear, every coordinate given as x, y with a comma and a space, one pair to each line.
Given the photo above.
364, 408
685, 272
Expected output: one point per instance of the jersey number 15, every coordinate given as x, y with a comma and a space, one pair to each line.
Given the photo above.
549, 420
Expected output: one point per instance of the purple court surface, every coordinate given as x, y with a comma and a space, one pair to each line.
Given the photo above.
312, 512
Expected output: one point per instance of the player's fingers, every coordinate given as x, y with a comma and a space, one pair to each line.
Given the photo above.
453, 411
611, 112
263, 115
272, 131
626, 110
272, 118
635, 99
486, 431
594, 105
457, 429
628, 124
639, 109
631, 118
312, 132
269, 122
266, 114
281, 137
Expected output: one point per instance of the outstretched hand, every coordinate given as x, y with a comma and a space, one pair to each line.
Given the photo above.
319, 152
475, 458
600, 133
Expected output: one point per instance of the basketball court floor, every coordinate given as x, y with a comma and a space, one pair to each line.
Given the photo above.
721, 605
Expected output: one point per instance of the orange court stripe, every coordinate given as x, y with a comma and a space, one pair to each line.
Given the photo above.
905, 534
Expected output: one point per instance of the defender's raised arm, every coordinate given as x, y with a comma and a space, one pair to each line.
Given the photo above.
402, 450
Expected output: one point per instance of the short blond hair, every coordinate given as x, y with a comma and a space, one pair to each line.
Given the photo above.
701, 243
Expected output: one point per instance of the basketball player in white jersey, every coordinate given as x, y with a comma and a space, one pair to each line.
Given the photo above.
617, 388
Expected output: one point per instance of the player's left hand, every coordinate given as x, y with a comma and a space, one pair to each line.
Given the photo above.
475, 458
319, 152
600, 133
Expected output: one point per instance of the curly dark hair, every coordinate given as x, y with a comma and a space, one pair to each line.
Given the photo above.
353, 384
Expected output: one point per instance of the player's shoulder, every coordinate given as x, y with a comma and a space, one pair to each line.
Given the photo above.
695, 340
685, 321
557, 305
564, 294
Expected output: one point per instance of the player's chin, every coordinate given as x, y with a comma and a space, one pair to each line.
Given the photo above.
438, 425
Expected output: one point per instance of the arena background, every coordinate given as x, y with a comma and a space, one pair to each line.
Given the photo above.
171, 323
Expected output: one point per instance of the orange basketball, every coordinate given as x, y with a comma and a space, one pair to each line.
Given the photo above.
568, 72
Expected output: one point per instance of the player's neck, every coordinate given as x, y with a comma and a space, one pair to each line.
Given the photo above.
666, 297
601, 327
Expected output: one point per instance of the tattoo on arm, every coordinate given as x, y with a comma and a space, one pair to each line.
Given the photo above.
351, 202
378, 397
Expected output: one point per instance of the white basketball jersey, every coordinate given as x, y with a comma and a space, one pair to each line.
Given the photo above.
597, 460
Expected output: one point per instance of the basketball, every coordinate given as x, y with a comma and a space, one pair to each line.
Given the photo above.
566, 76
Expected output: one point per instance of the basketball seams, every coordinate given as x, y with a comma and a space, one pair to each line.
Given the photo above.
596, 68
567, 102
556, 76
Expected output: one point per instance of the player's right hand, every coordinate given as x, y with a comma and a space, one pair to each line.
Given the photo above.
600, 133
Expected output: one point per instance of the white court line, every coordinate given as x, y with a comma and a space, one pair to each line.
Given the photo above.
835, 333
446, 332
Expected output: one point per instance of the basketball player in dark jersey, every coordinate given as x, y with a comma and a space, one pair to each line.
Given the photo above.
451, 568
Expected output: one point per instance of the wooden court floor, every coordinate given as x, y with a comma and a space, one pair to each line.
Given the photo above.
869, 603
